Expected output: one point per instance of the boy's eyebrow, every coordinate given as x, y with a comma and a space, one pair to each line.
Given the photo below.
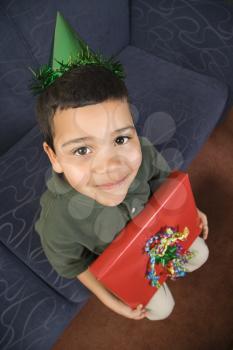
89, 138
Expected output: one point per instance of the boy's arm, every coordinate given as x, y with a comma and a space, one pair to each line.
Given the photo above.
107, 298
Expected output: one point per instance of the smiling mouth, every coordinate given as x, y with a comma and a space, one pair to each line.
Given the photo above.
112, 185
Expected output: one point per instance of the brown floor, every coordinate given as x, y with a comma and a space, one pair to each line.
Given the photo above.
203, 315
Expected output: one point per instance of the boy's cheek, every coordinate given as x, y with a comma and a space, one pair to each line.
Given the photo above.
135, 159
75, 178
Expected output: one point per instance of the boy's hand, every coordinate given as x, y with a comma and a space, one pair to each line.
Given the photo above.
203, 223
136, 314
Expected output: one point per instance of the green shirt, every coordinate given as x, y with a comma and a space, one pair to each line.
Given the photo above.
74, 229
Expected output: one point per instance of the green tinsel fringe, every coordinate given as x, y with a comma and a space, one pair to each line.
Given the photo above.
46, 75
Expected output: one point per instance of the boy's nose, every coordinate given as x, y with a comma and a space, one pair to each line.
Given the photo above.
108, 171
109, 165
109, 174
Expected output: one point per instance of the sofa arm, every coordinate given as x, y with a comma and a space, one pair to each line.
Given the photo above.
33, 315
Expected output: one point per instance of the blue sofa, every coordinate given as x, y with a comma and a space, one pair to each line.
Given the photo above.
175, 107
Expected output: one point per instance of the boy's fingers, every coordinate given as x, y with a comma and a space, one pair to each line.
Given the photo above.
139, 307
205, 229
139, 317
205, 235
140, 312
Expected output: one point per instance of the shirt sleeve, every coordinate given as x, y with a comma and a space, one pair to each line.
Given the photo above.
68, 260
66, 255
158, 167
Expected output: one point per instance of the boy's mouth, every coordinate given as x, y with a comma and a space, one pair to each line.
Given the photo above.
109, 186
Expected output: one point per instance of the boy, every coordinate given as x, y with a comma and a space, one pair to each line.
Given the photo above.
100, 174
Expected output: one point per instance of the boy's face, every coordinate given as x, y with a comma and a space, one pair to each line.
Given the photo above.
107, 157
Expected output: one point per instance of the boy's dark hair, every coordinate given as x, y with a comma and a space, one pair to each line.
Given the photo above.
79, 87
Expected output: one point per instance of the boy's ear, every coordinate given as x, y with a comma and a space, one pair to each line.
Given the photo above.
53, 158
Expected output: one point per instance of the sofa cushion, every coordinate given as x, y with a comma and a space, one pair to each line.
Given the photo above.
26, 37
174, 107
23, 173
103, 25
16, 101
32, 315
193, 34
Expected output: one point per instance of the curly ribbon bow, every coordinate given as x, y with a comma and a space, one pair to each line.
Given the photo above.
164, 248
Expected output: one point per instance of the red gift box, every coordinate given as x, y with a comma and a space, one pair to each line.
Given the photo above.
122, 267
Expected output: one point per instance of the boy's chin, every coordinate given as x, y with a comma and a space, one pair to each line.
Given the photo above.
110, 200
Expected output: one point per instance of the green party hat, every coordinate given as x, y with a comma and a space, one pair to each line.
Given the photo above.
66, 43
69, 51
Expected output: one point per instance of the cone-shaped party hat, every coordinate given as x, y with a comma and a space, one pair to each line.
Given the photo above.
69, 51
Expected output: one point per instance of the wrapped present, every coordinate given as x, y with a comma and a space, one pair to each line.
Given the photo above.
153, 246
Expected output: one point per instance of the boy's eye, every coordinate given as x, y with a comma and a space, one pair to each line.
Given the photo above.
122, 137
81, 151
